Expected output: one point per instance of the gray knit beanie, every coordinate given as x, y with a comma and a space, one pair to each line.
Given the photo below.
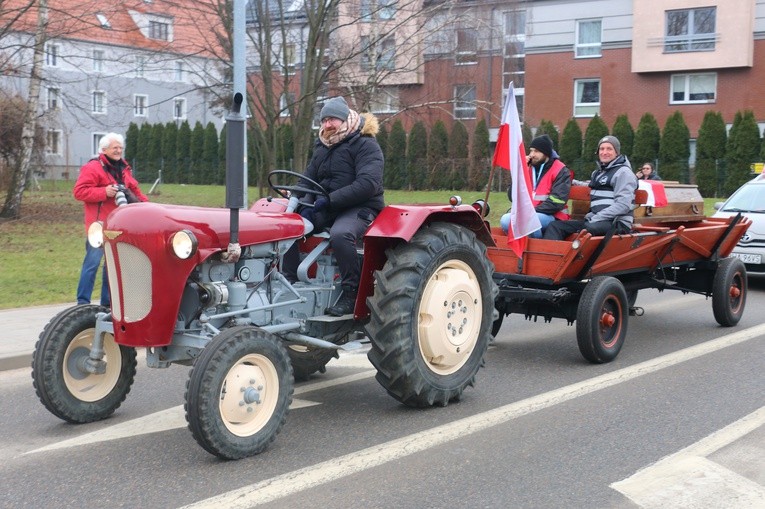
335, 108
613, 140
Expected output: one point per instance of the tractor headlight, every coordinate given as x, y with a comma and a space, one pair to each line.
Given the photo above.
96, 234
184, 244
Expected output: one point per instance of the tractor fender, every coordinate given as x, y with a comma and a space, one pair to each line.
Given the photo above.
399, 223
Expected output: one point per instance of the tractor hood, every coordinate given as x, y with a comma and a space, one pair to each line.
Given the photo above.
147, 278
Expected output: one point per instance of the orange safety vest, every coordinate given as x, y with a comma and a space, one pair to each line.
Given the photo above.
544, 187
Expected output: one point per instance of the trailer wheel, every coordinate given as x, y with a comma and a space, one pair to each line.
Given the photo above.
64, 387
239, 392
729, 290
431, 315
601, 319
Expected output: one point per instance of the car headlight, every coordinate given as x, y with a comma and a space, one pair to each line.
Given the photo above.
96, 234
184, 244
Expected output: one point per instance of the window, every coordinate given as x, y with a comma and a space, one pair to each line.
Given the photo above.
515, 64
514, 53
693, 88
98, 60
140, 105
53, 142
98, 104
158, 30
289, 58
383, 54
103, 21
96, 138
54, 98
387, 9
387, 58
371, 10
515, 23
178, 70
284, 103
384, 100
586, 98
367, 53
179, 109
690, 30
140, 66
365, 10
588, 38
51, 55
467, 46
464, 101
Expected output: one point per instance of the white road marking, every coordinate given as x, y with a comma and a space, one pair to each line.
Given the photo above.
174, 418
289, 483
686, 479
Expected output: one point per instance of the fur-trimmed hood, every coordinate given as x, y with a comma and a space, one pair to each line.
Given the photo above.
371, 126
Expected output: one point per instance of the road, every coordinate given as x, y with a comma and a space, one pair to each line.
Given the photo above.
541, 429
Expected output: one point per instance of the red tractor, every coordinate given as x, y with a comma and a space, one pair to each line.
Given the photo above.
426, 304
202, 287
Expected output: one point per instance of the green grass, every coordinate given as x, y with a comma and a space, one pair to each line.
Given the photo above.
41, 253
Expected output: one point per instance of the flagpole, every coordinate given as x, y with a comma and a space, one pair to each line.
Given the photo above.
488, 186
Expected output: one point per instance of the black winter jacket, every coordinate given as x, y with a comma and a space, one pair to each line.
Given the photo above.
352, 170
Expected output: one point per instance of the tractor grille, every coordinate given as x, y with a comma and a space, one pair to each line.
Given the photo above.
135, 280
114, 293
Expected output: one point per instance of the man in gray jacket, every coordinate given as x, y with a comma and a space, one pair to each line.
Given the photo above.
612, 193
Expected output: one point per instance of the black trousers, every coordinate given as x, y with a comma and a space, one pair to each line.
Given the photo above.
347, 228
559, 230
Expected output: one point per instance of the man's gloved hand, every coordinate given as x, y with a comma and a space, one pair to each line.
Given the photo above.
320, 204
307, 212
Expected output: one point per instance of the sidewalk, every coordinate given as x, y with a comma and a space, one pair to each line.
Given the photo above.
21, 327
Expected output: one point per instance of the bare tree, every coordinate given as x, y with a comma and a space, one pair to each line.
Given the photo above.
22, 172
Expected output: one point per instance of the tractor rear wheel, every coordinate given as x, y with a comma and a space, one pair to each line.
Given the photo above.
59, 376
239, 392
431, 315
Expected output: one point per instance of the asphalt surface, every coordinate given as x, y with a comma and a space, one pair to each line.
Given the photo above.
22, 327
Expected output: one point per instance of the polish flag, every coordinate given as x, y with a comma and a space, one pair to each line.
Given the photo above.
657, 197
510, 154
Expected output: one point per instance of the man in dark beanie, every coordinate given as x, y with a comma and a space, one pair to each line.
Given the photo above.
612, 193
348, 163
550, 182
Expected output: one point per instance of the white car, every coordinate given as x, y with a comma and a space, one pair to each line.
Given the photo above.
749, 199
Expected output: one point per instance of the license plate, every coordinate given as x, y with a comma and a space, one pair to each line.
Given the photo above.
748, 258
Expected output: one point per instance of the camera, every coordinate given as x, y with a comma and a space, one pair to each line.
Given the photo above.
124, 196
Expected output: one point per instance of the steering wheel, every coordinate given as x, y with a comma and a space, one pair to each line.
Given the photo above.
282, 190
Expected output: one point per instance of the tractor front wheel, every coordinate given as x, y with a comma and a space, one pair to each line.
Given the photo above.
239, 392
59, 376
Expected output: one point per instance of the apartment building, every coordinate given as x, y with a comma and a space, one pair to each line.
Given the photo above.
107, 65
612, 57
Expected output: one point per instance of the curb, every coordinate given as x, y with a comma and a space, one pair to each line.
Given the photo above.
18, 361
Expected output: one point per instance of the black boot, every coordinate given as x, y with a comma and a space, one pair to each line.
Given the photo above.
346, 303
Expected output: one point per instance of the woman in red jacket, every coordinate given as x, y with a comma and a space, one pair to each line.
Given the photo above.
97, 186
